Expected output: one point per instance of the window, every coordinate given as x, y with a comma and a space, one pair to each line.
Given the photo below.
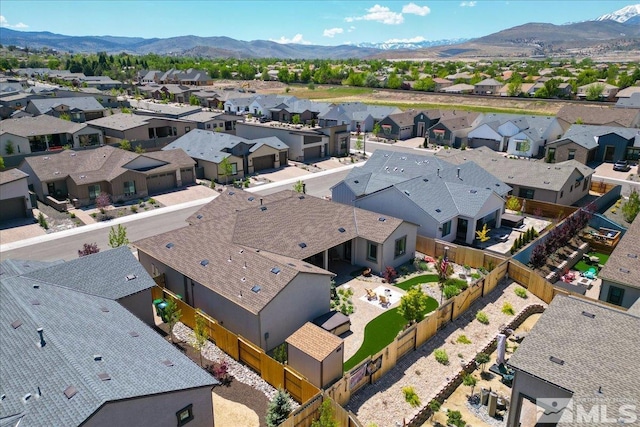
633, 153
446, 228
94, 191
234, 168
526, 193
187, 129
522, 145
175, 131
401, 247
615, 295
572, 155
585, 184
562, 194
129, 188
208, 125
372, 251
551, 155
185, 415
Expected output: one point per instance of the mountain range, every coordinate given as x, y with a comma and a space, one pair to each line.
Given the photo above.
618, 30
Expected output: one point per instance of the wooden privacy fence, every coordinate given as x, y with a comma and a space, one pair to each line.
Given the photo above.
461, 255
309, 412
242, 350
601, 187
545, 209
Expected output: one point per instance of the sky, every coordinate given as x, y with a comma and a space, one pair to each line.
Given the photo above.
319, 22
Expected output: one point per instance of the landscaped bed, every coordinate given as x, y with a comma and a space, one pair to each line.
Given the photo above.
583, 266
381, 331
423, 278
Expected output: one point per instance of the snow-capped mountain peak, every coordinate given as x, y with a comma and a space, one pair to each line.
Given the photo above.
622, 15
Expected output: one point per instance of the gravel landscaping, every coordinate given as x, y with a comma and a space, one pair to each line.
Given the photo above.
383, 403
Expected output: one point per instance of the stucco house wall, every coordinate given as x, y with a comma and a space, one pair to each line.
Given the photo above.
306, 297
140, 305
20, 144
631, 294
156, 410
563, 147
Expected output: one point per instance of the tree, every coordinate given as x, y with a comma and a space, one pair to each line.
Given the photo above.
513, 203
172, 315
470, 381
193, 100
118, 236
201, 336
102, 201
298, 187
295, 119
594, 92
9, 148
225, 169
1, 162
280, 353
631, 208
125, 145
377, 129
413, 304
482, 359
434, 405
483, 235
139, 149
359, 142
326, 418
514, 88
279, 408
88, 249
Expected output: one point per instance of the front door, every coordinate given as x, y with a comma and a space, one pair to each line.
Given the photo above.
347, 251
461, 233
609, 151
420, 129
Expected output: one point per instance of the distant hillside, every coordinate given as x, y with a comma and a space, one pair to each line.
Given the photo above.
538, 39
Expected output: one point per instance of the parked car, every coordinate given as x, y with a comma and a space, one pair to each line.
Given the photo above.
622, 166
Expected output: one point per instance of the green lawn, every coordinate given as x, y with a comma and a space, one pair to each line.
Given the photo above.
583, 266
381, 331
424, 278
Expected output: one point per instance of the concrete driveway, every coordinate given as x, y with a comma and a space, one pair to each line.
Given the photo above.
606, 170
186, 194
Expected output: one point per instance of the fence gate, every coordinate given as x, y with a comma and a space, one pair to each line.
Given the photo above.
406, 342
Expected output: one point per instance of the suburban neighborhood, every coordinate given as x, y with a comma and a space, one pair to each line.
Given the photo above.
353, 242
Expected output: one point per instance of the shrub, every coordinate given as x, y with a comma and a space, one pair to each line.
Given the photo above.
152, 201
93, 215
423, 266
441, 356
280, 353
462, 339
507, 308
389, 274
475, 276
450, 291
458, 283
454, 418
521, 292
410, 396
134, 208
72, 215
482, 317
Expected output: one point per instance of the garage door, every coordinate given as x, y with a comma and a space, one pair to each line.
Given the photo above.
263, 162
405, 133
480, 142
312, 153
12, 209
283, 158
161, 182
187, 176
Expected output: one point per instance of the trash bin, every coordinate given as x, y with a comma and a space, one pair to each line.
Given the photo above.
156, 303
160, 310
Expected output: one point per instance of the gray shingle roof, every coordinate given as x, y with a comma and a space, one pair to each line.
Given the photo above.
587, 135
531, 174
39, 125
11, 175
631, 102
120, 121
599, 115
597, 352
623, 265
95, 275
84, 103
16, 267
77, 326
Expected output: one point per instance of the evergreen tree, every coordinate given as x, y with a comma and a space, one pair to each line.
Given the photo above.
279, 408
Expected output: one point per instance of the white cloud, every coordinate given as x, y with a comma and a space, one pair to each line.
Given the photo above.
379, 14
351, 28
331, 32
4, 23
468, 3
297, 39
414, 9
416, 39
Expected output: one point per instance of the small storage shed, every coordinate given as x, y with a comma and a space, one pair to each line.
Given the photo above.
316, 354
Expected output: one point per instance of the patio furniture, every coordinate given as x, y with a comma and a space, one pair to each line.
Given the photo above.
590, 273
366, 272
371, 295
384, 301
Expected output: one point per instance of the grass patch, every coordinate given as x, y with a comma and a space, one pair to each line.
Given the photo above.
423, 278
583, 266
478, 108
462, 339
329, 92
381, 331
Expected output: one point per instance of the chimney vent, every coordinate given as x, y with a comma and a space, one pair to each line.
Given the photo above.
458, 172
42, 342
260, 201
438, 172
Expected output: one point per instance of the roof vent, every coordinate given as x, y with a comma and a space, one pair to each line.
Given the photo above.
587, 314
300, 197
70, 391
407, 193
204, 262
510, 177
341, 229
104, 309
231, 193
46, 157
241, 251
16, 324
251, 199
473, 191
275, 270
263, 208
497, 185
36, 286
382, 219
97, 357
244, 279
73, 154
134, 334
547, 182
438, 210
425, 179
625, 270
256, 289
167, 363
556, 360
169, 245
302, 245
35, 302
83, 176
634, 256
56, 173
104, 376
26, 397
356, 182
199, 216
130, 277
